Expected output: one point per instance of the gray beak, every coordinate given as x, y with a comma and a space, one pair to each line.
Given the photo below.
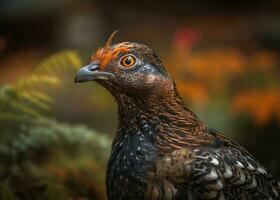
91, 72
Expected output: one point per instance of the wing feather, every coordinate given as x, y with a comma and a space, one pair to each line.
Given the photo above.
216, 173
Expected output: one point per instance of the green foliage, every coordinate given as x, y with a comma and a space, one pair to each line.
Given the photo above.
40, 157
6, 193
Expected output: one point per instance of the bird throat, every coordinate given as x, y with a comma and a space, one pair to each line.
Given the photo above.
155, 121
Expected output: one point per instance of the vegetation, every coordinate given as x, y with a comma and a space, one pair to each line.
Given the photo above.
40, 157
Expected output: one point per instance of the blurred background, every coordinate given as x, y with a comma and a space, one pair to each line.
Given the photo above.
55, 136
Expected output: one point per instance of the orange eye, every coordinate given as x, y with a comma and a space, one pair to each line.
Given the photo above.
128, 60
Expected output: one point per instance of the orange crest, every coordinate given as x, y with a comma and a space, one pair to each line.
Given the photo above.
107, 53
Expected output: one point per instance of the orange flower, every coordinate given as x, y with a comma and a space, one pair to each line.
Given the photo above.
264, 61
193, 91
261, 105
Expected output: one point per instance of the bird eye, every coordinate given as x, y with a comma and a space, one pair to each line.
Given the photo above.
128, 61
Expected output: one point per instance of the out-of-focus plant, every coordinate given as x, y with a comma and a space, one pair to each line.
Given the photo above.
247, 83
40, 157
233, 90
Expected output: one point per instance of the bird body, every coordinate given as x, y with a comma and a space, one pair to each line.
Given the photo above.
162, 150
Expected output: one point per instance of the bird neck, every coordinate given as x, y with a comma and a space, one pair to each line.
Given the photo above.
165, 108
165, 114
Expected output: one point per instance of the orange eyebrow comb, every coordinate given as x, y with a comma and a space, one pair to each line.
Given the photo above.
105, 54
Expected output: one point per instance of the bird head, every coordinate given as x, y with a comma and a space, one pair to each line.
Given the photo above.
125, 68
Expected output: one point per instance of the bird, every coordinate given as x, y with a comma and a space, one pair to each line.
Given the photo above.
161, 150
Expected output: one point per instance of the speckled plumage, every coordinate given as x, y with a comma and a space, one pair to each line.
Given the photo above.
162, 151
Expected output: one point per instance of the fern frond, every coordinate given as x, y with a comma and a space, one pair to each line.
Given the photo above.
8, 116
41, 96
62, 60
24, 109
33, 79
29, 96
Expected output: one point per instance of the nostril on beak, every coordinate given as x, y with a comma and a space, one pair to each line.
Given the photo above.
93, 66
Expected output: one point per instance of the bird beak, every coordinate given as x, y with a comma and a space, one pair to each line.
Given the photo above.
91, 72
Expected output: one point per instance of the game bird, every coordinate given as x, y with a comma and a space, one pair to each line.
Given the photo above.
161, 149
